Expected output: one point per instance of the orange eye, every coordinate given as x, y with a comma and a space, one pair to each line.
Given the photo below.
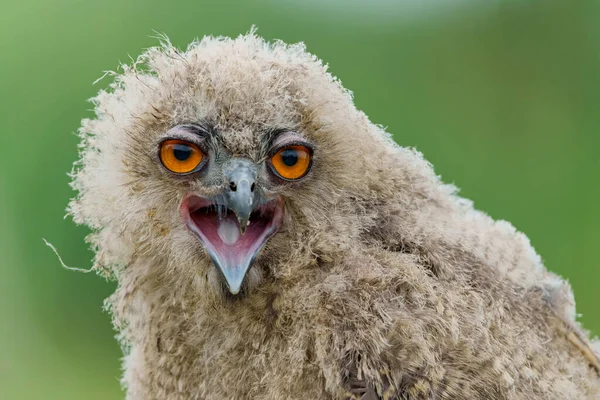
180, 156
292, 162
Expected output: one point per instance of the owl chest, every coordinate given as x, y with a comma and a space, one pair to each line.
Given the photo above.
234, 363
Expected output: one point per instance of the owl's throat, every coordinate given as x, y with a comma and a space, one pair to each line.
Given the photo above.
231, 249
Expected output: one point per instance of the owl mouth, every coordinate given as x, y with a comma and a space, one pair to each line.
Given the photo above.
231, 248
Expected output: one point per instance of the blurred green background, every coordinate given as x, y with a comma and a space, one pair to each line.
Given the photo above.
502, 97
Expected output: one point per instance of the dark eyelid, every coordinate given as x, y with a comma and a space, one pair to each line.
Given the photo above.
284, 145
274, 133
293, 140
192, 133
203, 131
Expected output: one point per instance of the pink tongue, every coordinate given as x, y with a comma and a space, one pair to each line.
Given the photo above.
228, 231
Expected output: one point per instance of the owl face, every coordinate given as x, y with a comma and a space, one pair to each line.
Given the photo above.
231, 161
239, 209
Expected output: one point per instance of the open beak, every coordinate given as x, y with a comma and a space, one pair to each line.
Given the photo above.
235, 226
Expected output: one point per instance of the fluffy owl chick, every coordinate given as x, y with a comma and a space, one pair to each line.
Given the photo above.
270, 242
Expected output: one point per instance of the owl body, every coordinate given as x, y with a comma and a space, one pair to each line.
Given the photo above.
379, 282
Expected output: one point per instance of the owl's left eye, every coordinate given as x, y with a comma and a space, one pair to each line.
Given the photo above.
179, 156
292, 162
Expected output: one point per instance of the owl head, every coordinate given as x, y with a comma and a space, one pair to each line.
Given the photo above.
231, 164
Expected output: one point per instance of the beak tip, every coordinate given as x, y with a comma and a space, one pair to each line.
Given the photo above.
243, 225
234, 278
234, 288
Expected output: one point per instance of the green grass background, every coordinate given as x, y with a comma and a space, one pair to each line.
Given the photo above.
502, 97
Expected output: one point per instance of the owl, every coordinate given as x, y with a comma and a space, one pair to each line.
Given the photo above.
270, 242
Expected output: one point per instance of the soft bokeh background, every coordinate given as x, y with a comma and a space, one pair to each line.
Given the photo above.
502, 96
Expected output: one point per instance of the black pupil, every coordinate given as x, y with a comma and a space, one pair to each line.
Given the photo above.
182, 152
289, 157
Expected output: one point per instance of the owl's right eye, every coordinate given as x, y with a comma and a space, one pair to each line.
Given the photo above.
179, 156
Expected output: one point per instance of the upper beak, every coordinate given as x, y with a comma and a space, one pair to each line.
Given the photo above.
241, 196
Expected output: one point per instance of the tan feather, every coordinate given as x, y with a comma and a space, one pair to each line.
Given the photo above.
585, 349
